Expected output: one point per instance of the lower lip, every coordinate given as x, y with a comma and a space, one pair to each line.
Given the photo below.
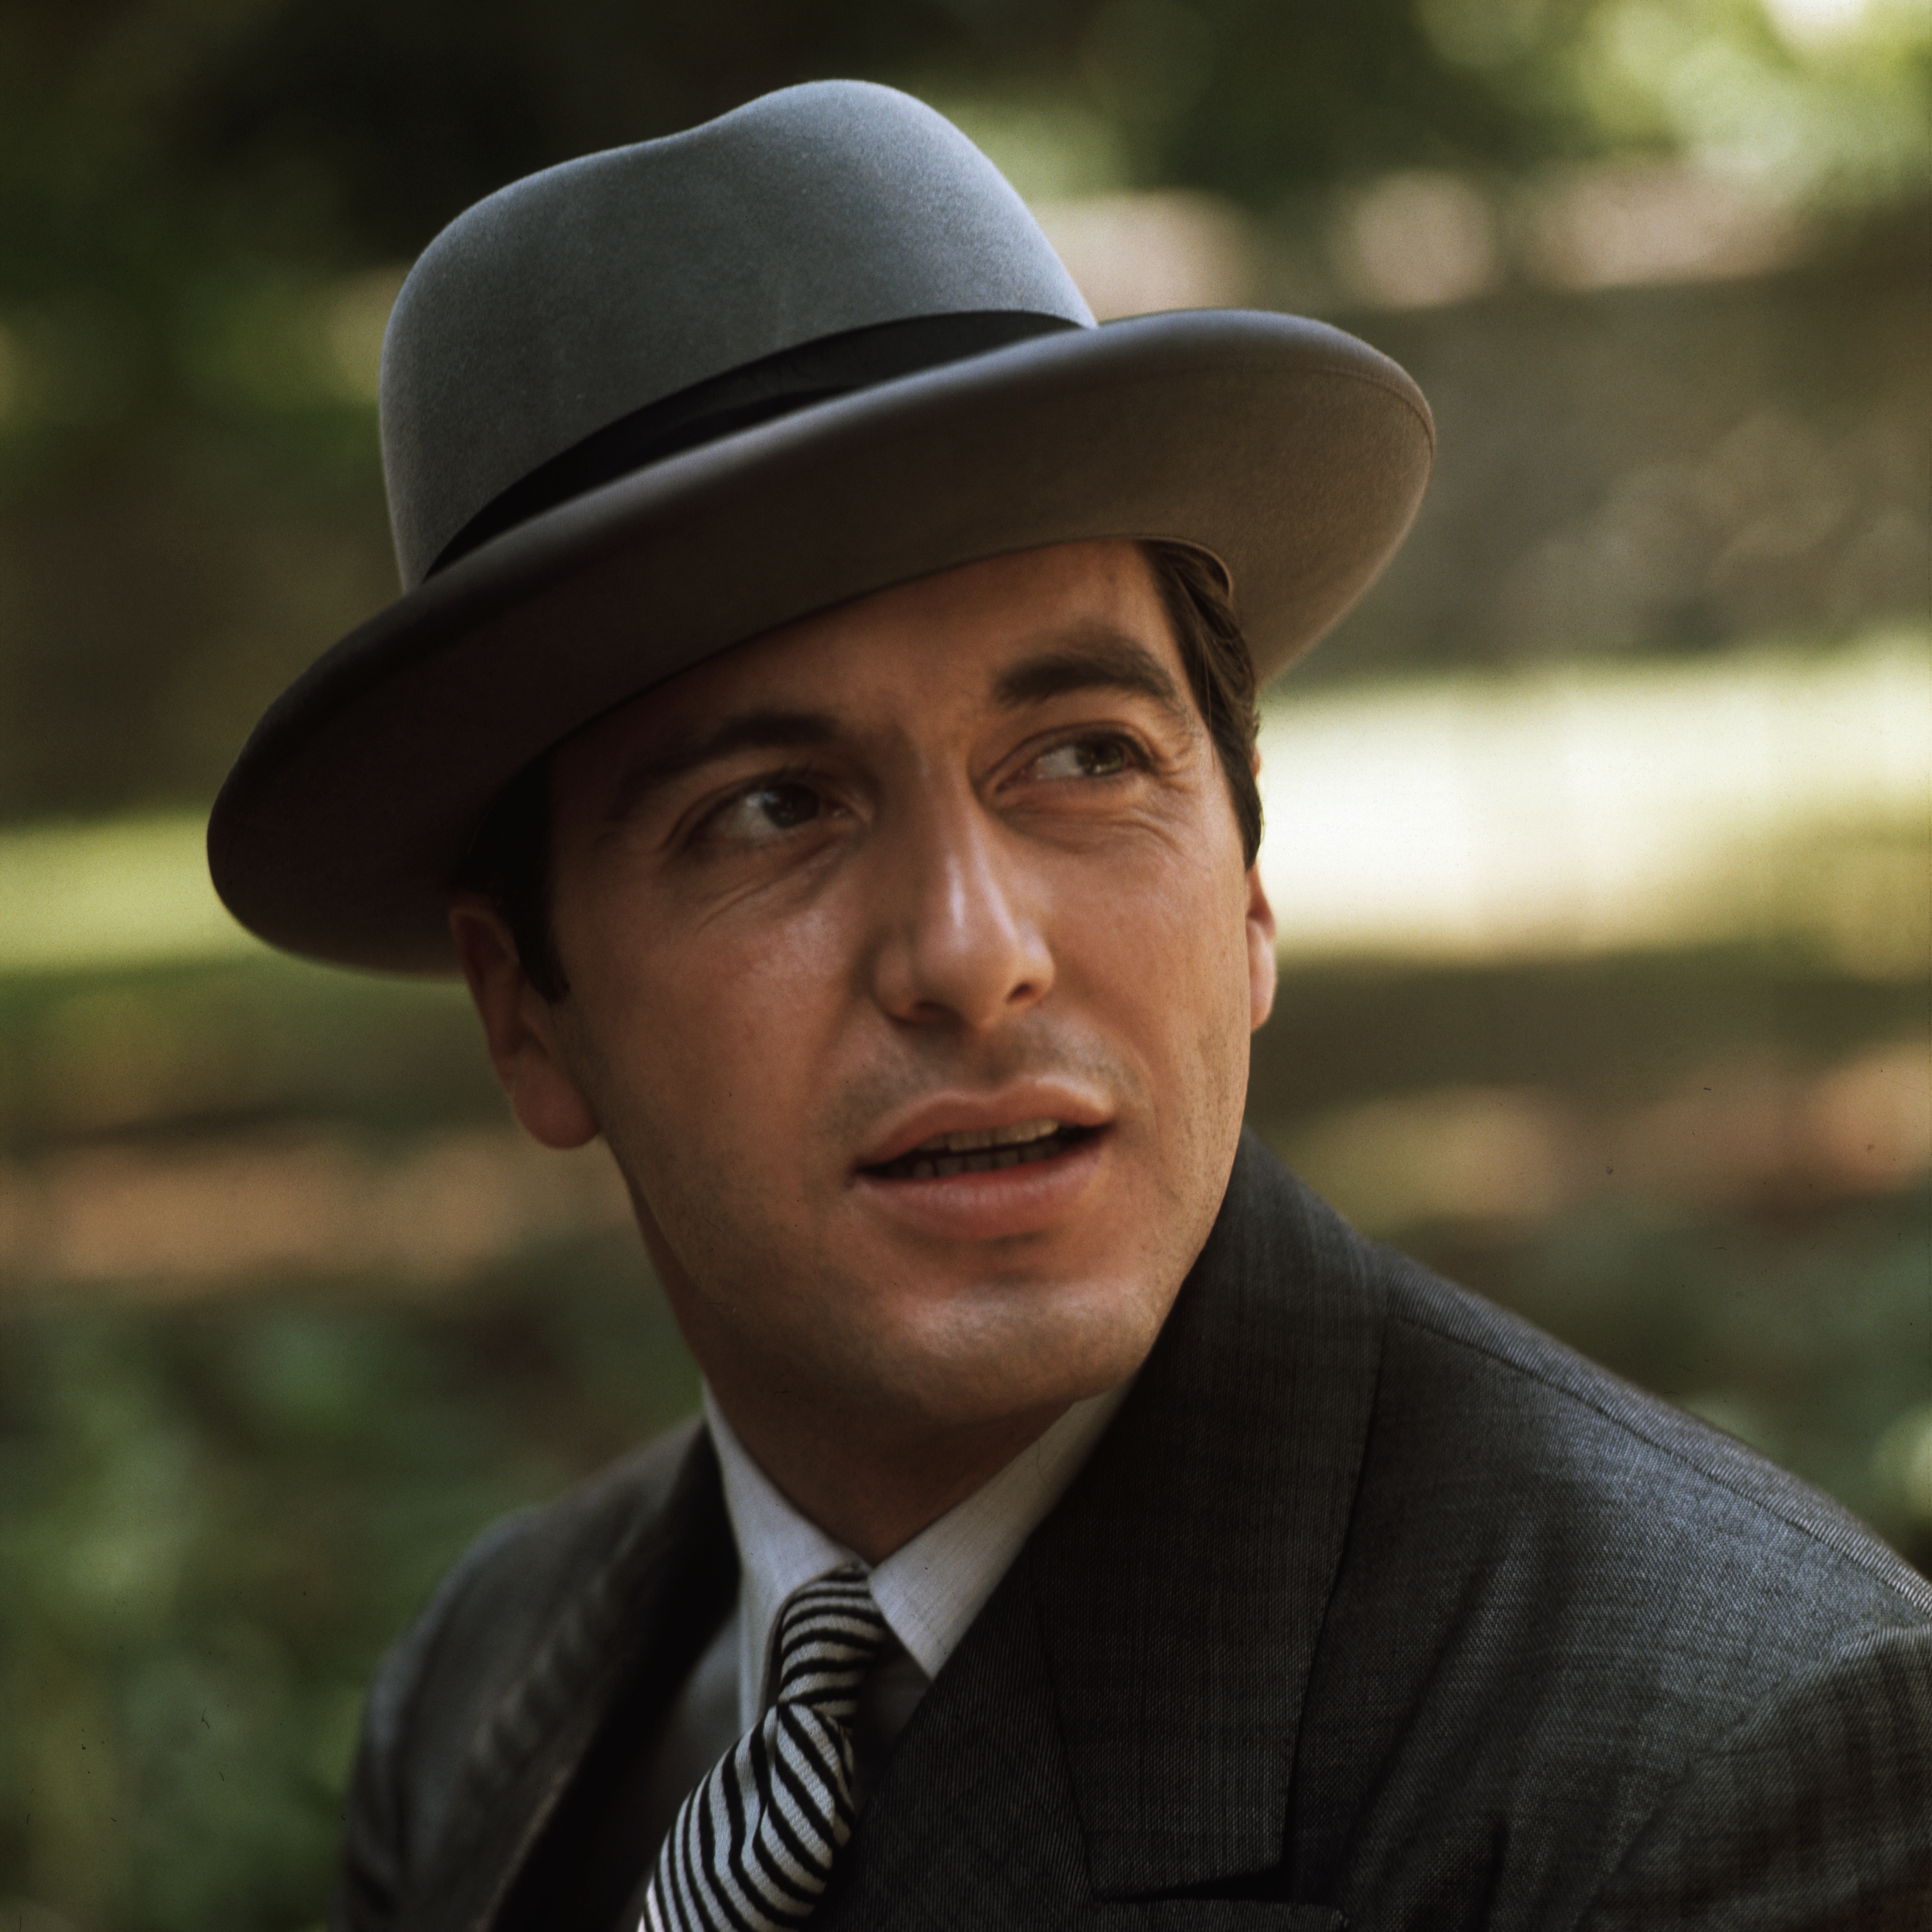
1025, 1199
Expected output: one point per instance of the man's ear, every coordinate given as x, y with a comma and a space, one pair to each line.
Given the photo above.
1261, 951
520, 1026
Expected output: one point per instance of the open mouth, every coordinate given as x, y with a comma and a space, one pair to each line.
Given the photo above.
982, 1150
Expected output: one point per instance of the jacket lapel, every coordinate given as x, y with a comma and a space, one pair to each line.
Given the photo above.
1182, 1587
613, 1655
1120, 1722
972, 1824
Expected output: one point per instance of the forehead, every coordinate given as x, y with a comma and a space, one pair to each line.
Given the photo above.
908, 650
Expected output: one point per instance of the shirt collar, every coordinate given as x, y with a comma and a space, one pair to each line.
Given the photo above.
929, 1589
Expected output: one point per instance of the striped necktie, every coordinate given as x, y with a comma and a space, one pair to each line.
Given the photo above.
753, 1845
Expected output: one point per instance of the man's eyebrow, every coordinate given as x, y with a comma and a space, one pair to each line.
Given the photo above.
651, 771
1099, 659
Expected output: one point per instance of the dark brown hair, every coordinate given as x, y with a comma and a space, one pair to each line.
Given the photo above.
1220, 670
508, 859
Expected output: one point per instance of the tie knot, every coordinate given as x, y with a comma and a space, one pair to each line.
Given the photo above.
829, 1634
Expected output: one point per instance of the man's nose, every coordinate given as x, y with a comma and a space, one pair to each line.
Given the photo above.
960, 937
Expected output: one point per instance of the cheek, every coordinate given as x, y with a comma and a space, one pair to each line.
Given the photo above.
1223, 1034
1170, 931
712, 1041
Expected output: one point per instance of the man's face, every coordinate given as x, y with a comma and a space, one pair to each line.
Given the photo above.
912, 960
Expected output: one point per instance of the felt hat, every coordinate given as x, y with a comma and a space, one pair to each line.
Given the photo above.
647, 405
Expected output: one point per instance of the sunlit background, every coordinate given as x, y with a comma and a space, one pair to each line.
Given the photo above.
1600, 836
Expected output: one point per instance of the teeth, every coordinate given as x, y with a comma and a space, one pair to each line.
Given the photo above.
975, 1138
941, 1166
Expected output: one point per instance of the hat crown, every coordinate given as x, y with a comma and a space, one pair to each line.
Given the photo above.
570, 299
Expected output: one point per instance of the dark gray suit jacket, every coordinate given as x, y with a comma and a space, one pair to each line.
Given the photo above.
1375, 1609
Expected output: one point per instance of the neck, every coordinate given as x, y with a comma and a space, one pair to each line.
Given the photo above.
875, 1490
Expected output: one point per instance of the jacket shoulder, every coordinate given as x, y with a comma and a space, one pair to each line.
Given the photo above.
461, 1694
1578, 1632
1527, 1415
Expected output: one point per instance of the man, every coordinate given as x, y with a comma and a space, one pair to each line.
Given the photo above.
819, 724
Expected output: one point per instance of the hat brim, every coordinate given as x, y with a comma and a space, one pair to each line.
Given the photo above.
1295, 454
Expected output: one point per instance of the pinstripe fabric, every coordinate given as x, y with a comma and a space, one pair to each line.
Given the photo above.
753, 1845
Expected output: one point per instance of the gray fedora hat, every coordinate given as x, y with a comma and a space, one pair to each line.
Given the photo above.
647, 405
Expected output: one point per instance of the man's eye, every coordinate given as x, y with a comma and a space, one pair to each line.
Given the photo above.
765, 811
1105, 757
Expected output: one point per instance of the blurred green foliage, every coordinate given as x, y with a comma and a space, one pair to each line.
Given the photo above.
267, 1038
215, 1510
216, 1517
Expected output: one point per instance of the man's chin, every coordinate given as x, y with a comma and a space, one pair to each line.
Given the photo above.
1004, 1361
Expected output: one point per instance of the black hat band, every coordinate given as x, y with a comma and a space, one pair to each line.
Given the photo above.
774, 385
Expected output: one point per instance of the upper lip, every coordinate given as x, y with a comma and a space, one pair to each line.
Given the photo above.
976, 1113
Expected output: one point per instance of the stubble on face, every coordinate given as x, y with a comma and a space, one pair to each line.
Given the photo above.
1020, 1329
